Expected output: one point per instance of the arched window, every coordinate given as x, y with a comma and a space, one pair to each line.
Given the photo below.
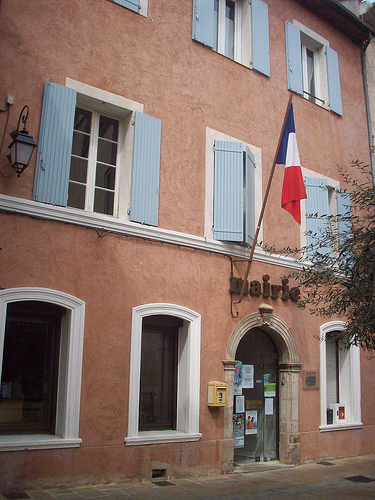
340, 382
164, 375
41, 341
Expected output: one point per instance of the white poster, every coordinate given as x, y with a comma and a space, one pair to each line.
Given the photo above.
248, 376
240, 404
268, 406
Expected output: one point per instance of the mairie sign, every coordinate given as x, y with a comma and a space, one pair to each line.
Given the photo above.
265, 288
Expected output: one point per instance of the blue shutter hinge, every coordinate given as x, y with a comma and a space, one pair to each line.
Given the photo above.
129, 210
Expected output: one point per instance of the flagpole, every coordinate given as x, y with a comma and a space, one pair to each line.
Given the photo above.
250, 259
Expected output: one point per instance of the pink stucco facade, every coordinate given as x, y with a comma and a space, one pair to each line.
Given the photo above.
152, 60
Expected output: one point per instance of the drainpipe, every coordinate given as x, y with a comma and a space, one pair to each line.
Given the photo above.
368, 110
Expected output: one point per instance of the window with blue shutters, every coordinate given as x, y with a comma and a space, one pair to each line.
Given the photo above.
312, 67
97, 158
234, 192
237, 29
326, 205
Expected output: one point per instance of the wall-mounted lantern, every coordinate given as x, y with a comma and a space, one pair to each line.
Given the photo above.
22, 146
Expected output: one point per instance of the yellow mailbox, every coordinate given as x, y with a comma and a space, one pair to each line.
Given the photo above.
217, 393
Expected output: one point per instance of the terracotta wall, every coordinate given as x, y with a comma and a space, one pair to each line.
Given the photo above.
154, 61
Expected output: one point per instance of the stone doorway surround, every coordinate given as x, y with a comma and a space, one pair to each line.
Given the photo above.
289, 368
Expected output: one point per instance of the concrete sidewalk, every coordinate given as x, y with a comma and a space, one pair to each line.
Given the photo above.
346, 478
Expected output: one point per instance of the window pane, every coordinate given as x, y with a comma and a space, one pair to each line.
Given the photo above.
76, 195
104, 201
78, 169
107, 151
216, 23
82, 120
105, 176
229, 29
81, 143
332, 371
310, 74
108, 128
30, 368
158, 378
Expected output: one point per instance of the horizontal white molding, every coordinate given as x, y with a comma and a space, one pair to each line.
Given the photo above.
159, 437
107, 223
341, 427
36, 442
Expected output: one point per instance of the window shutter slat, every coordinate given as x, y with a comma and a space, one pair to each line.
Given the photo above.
250, 196
260, 37
228, 191
144, 205
334, 88
129, 4
55, 145
203, 22
293, 58
316, 203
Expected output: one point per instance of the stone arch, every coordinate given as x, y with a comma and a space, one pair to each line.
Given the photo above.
289, 368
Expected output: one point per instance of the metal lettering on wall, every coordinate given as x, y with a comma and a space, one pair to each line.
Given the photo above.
266, 289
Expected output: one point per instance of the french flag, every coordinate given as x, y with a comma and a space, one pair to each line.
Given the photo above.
293, 186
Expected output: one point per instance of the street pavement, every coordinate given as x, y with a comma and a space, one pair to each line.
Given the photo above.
345, 478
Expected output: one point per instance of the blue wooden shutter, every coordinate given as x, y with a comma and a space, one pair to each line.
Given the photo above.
343, 210
55, 145
334, 88
344, 224
316, 203
228, 191
250, 196
293, 58
144, 204
130, 4
203, 22
260, 37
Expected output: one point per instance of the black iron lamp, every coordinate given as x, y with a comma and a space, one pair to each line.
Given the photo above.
22, 146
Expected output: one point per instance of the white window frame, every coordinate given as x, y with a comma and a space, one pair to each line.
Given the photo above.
122, 109
70, 369
188, 383
242, 31
350, 376
316, 43
212, 136
92, 158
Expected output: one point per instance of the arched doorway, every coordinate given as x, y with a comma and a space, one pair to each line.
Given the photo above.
287, 433
256, 397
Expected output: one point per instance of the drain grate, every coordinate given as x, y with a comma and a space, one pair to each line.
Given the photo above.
325, 463
163, 483
16, 495
360, 479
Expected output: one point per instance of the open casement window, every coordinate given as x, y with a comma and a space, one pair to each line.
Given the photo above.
322, 202
312, 68
81, 157
234, 193
237, 29
340, 380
